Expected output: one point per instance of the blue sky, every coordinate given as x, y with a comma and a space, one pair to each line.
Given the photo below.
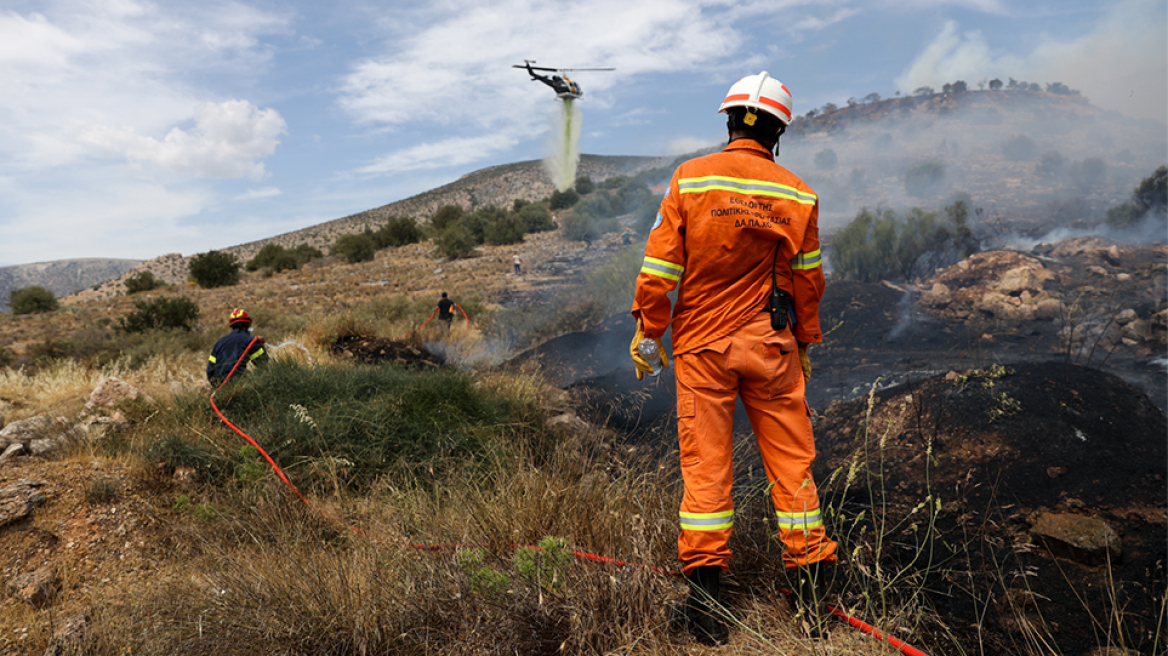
131, 129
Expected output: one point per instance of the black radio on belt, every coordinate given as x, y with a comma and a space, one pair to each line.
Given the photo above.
779, 300
778, 308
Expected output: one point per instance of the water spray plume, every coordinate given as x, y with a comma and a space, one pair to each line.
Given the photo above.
564, 146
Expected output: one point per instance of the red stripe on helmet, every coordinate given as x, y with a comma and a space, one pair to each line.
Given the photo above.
776, 104
736, 96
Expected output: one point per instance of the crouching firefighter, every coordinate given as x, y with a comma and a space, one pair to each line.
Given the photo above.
739, 235
231, 346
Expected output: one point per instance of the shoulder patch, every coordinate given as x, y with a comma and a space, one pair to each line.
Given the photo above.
657, 222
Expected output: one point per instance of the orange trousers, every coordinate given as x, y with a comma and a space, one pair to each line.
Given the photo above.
762, 366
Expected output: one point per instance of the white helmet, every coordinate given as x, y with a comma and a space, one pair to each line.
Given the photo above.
761, 92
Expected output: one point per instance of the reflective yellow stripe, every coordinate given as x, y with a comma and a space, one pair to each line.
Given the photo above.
707, 521
256, 354
656, 267
801, 520
213, 360
745, 186
804, 261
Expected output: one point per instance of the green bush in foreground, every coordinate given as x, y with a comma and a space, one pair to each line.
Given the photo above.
31, 300
350, 426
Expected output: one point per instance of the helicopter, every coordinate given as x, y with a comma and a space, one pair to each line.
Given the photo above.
564, 87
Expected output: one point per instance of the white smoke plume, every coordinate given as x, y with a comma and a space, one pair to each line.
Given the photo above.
564, 145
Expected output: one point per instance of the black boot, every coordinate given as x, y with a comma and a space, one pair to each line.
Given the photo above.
811, 597
700, 612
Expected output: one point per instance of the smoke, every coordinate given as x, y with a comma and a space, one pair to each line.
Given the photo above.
925, 151
564, 145
1151, 229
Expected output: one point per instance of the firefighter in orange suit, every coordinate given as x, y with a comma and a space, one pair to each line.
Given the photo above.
738, 234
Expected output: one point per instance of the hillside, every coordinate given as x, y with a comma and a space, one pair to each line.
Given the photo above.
496, 185
61, 277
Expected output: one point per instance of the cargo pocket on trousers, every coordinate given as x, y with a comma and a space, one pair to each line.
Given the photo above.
687, 410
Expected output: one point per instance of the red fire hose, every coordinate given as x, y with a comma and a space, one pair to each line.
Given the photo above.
905, 648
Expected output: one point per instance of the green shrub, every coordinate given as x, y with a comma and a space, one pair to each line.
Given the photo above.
173, 452
562, 200
142, 281
1150, 195
398, 231
880, 246
6, 356
455, 242
507, 228
215, 269
31, 300
355, 248
925, 179
546, 566
536, 217
584, 185
445, 217
161, 313
382, 421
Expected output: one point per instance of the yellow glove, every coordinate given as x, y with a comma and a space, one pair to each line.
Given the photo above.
805, 363
639, 362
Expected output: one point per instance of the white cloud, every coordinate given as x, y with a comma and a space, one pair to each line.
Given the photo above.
256, 194
1118, 65
447, 152
116, 216
225, 142
451, 73
116, 63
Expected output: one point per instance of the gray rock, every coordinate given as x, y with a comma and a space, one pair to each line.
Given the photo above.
40, 435
18, 501
11, 451
35, 588
1088, 540
1127, 316
109, 393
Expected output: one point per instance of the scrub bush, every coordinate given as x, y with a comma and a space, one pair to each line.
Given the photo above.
1150, 196
355, 248
399, 231
163, 313
214, 269
446, 216
143, 281
455, 242
881, 246
562, 200
278, 258
31, 300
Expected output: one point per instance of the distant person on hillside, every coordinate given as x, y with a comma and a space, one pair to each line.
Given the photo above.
231, 347
516, 263
445, 312
587, 241
627, 237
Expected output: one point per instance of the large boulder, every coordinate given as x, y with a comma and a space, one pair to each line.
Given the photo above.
110, 393
1088, 540
39, 435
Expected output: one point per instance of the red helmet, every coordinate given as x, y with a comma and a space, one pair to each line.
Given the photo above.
238, 315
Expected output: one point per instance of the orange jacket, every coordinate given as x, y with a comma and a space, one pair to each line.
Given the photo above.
716, 234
